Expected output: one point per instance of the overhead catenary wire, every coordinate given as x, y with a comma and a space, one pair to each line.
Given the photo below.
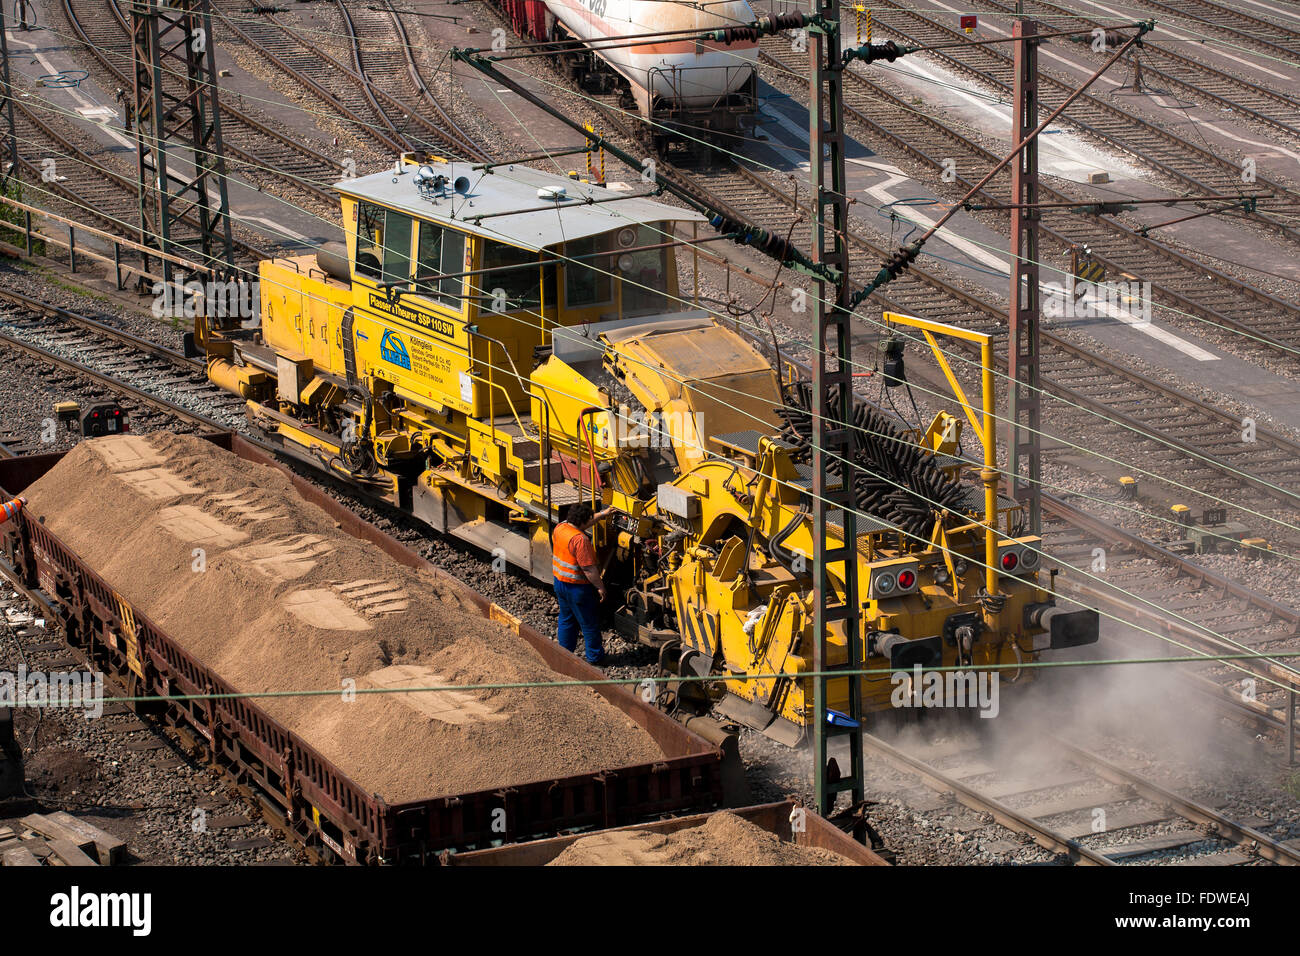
960, 669
1139, 598
1192, 490
1163, 307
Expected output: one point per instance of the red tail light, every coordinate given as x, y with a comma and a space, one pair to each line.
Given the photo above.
906, 579
1009, 561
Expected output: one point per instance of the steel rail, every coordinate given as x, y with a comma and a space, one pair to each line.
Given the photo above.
367, 86
996, 315
1046, 79
1252, 21
115, 385
1040, 833
1153, 46
1120, 230
472, 148
364, 126
1260, 843
240, 117
119, 335
124, 183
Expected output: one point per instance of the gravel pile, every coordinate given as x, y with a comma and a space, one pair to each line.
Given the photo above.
281, 600
723, 840
128, 779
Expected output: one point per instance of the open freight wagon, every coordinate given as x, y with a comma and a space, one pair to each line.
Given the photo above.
775, 818
310, 796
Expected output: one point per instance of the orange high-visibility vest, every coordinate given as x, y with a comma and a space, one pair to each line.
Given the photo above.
9, 509
563, 562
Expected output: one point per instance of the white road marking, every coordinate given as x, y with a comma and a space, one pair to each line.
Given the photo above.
883, 167
1233, 135
1163, 30
911, 213
789, 126
1053, 158
895, 176
1195, 352
72, 91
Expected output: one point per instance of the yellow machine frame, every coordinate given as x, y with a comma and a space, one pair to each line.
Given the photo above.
481, 427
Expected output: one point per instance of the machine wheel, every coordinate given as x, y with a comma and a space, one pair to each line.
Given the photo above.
670, 657
692, 694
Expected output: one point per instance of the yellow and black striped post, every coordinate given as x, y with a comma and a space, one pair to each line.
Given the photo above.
863, 14
591, 164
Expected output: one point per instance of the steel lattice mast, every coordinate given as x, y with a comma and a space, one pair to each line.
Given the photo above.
833, 498
184, 209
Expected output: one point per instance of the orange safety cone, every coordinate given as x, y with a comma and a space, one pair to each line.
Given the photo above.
11, 508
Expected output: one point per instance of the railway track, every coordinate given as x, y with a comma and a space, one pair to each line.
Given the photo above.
1179, 281
1188, 437
1081, 808
118, 356
1167, 68
1218, 432
350, 91
262, 154
156, 386
1158, 148
1189, 442
97, 189
1260, 34
1178, 603
1195, 445
70, 328
392, 58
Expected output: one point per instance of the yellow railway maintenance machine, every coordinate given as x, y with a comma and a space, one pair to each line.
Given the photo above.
496, 343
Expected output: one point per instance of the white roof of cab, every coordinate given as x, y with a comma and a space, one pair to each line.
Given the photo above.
507, 199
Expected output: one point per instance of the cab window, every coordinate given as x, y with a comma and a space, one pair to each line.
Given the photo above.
441, 253
645, 272
397, 247
383, 243
370, 239
587, 279
512, 272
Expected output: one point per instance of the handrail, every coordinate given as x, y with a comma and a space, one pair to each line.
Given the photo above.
591, 451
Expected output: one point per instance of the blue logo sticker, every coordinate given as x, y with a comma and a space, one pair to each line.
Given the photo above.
393, 350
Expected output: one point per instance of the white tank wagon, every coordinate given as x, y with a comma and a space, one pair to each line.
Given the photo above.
689, 88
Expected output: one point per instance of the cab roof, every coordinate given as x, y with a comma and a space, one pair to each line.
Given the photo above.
506, 198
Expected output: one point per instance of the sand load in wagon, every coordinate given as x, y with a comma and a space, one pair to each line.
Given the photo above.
266, 589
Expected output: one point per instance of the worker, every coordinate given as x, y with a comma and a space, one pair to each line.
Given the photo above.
11, 508
579, 588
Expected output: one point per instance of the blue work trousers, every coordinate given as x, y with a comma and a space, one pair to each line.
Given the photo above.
579, 610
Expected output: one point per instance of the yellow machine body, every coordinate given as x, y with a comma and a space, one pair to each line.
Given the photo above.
483, 355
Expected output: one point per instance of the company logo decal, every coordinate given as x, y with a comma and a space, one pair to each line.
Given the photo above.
393, 350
